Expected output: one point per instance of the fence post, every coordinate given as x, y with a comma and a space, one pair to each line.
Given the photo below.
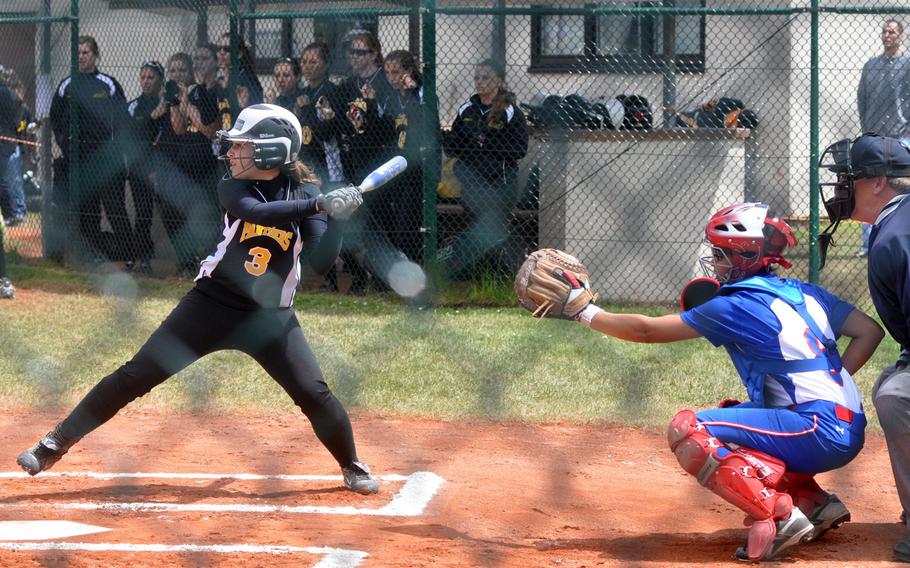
74, 176
669, 67
51, 239
235, 67
813, 148
430, 147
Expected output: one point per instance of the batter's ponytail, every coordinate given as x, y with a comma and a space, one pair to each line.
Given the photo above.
301, 173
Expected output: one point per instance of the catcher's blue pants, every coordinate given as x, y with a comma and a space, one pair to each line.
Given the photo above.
809, 438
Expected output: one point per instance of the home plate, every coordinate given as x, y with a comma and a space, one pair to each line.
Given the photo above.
44, 530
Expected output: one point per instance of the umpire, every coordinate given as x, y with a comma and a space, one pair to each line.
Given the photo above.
873, 181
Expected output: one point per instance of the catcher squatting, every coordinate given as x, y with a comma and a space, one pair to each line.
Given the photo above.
804, 415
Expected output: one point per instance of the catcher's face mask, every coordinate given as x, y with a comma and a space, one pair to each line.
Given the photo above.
728, 265
836, 191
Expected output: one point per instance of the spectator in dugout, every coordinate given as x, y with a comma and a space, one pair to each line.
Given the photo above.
286, 92
366, 139
149, 112
15, 116
9, 114
190, 168
488, 137
321, 112
404, 204
102, 119
247, 88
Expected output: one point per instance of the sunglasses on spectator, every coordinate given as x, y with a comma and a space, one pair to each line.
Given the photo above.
224, 48
360, 52
482, 77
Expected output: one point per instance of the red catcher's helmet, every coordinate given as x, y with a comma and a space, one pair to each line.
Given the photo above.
744, 239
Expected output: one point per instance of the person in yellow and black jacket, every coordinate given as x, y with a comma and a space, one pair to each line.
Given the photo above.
489, 135
191, 162
148, 112
102, 120
321, 113
404, 206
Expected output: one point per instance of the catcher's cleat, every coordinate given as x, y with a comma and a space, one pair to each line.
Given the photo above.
831, 514
43, 455
358, 479
788, 533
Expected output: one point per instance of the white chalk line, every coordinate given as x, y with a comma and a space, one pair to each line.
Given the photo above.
161, 475
332, 557
410, 501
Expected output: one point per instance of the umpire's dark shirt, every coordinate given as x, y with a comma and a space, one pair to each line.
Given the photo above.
102, 110
889, 272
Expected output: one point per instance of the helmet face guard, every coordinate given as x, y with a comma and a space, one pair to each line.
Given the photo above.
727, 265
837, 195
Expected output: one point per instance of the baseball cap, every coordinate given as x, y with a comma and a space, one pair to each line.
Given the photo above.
873, 155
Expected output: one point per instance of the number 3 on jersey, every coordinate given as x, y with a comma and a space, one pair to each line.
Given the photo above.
260, 261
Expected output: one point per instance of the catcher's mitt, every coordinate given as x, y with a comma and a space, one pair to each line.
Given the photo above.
552, 283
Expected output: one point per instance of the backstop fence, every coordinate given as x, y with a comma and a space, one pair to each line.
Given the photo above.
611, 130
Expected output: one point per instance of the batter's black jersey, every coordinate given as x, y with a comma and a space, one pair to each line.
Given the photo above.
267, 225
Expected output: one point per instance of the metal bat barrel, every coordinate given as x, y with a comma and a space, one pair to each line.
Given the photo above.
381, 175
378, 177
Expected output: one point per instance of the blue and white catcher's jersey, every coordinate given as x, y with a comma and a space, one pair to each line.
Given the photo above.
772, 346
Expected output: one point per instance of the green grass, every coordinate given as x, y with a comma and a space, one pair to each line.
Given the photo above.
377, 354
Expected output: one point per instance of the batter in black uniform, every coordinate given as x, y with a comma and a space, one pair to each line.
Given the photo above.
243, 298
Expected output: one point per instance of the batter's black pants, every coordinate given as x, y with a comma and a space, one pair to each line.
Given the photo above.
200, 325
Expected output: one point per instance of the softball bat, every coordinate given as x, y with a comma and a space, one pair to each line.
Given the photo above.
380, 176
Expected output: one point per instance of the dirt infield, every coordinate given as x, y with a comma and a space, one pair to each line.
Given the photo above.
514, 495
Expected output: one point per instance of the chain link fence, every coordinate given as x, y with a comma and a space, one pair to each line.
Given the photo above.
611, 130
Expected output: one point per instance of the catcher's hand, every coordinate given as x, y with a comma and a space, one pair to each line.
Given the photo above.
552, 283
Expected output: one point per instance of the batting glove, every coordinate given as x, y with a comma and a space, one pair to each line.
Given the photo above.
340, 203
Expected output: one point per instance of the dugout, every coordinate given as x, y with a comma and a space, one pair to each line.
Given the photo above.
631, 204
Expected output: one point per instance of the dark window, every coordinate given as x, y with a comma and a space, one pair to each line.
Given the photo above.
616, 43
287, 38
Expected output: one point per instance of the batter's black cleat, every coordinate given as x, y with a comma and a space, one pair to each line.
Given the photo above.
829, 515
358, 479
43, 455
902, 550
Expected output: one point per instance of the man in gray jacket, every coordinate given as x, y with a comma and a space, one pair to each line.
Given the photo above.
883, 96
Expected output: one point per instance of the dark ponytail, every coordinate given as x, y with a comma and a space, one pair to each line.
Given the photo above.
300, 173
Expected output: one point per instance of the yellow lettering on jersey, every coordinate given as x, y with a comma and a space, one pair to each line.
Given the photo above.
401, 121
250, 230
307, 135
223, 104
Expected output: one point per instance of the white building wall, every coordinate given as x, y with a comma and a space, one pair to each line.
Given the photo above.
746, 57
